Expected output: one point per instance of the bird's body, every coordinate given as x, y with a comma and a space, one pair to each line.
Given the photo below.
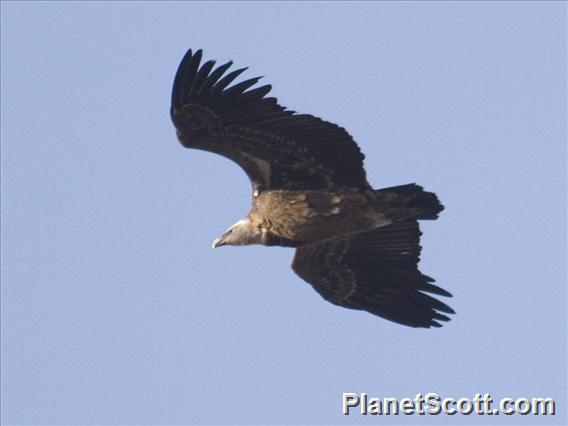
303, 217
357, 246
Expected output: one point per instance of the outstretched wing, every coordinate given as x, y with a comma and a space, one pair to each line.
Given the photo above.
376, 272
277, 148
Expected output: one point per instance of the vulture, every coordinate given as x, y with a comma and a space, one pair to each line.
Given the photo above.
357, 246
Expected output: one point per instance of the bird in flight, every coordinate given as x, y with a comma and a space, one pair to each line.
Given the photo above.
357, 246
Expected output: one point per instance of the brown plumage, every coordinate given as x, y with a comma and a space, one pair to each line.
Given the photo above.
358, 247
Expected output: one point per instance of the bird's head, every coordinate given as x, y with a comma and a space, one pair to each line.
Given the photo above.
241, 233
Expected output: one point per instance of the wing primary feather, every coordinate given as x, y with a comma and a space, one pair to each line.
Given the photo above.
434, 289
225, 81
256, 93
180, 80
188, 74
440, 317
212, 79
200, 78
241, 87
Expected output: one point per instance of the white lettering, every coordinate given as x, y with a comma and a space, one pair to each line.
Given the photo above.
433, 401
349, 400
407, 406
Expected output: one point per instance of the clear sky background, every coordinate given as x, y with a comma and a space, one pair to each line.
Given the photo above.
115, 309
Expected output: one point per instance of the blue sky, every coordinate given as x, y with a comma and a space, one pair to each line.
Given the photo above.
116, 310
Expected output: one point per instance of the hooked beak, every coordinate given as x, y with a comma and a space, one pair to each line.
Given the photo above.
218, 242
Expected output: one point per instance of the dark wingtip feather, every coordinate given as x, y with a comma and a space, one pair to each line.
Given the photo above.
198, 84
184, 77
200, 79
440, 317
449, 310
440, 306
239, 88
257, 93
434, 289
176, 89
225, 81
203, 84
204, 92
